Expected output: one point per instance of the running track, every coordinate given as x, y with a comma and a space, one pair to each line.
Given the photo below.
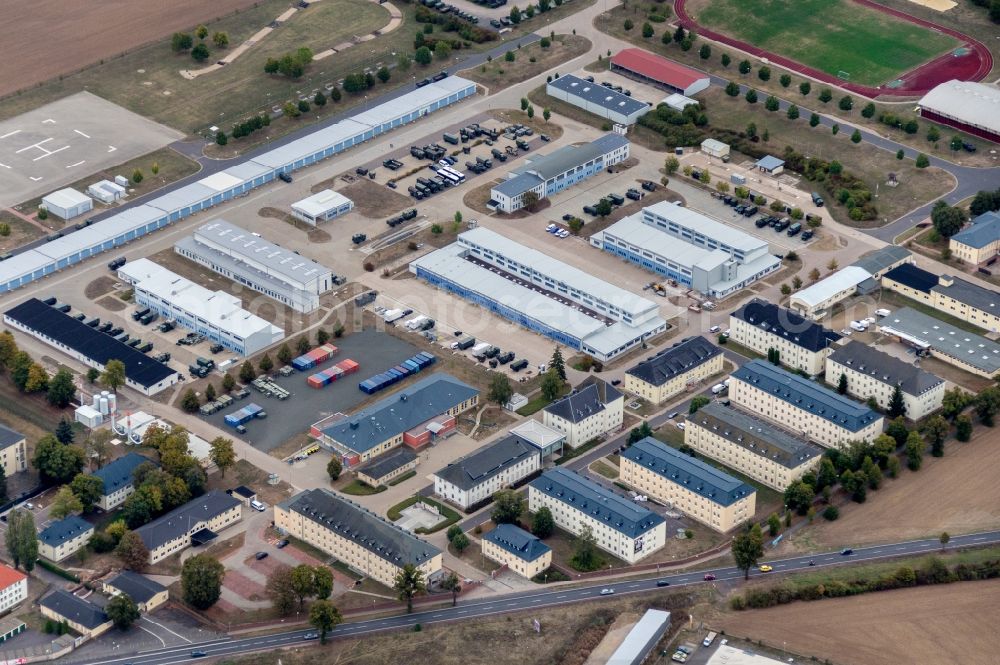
972, 67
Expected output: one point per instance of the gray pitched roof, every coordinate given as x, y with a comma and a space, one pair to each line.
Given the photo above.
984, 230
64, 530
786, 324
517, 541
806, 395
138, 587
570, 156
943, 338
370, 531
884, 368
697, 476
589, 398
182, 519
601, 504
385, 464
75, 609
880, 259
596, 93
973, 295
488, 461
518, 185
9, 437
399, 412
759, 437
678, 359
118, 474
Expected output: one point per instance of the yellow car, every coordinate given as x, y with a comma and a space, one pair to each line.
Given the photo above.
766, 569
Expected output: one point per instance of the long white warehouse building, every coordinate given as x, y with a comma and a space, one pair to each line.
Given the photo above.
542, 294
235, 253
693, 249
138, 220
217, 315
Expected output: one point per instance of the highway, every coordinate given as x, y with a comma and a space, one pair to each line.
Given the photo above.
530, 600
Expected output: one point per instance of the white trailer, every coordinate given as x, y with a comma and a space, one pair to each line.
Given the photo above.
392, 315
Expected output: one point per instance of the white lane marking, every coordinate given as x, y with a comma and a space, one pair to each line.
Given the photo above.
153, 634
35, 145
49, 154
111, 148
86, 136
34, 179
16, 131
48, 121
167, 629
69, 166
4, 165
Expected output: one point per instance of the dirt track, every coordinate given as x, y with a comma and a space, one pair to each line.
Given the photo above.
957, 493
952, 623
76, 33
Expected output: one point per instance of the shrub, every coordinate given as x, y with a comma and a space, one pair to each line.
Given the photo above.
831, 513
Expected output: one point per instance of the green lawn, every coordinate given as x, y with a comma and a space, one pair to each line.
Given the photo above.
828, 35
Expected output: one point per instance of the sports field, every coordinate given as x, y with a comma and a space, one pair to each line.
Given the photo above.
832, 36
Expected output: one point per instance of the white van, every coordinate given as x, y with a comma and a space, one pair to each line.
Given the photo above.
882, 312
859, 326
258, 506
707, 642
718, 388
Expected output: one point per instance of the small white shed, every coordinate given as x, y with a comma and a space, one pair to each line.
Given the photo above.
714, 148
67, 203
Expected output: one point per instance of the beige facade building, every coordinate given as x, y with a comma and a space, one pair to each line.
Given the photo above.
697, 489
146, 593
801, 344
388, 467
593, 409
195, 523
755, 448
802, 406
949, 295
64, 537
517, 549
13, 451
619, 526
83, 616
671, 372
980, 241
117, 477
353, 535
872, 373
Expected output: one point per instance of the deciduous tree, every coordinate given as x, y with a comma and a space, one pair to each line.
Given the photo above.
409, 583
748, 548
323, 616
507, 507
132, 552
201, 581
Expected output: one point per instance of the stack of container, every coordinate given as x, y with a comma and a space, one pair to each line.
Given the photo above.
397, 373
318, 355
246, 414
329, 375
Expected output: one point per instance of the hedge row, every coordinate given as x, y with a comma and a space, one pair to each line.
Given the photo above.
934, 571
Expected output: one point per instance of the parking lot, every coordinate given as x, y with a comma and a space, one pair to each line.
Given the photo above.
374, 351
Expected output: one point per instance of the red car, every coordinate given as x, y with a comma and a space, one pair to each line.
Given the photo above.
709, 577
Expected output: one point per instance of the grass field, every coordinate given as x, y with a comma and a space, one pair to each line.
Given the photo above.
904, 626
829, 35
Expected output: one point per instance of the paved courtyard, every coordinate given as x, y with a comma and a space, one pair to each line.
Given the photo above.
62, 142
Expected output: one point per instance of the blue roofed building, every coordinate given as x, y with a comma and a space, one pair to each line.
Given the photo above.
414, 416
619, 525
980, 241
802, 406
64, 537
517, 549
118, 479
546, 175
696, 488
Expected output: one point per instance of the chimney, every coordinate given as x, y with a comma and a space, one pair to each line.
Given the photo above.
946, 280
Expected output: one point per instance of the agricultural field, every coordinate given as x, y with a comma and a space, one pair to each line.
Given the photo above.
903, 626
953, 493
110, 28
833, 36
147, 81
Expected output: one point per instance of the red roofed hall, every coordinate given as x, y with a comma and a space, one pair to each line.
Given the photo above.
651, 68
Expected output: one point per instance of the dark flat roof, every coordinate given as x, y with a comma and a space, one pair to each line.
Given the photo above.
913, 277
786, 324
973, 295
678, 359
50, 322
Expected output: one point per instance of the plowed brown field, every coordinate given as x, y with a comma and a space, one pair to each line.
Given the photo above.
952, 623
42, 39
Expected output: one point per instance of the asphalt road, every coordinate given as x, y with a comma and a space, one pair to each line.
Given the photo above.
535, 599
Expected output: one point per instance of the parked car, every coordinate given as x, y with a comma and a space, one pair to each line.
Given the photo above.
284, 177
260, 555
